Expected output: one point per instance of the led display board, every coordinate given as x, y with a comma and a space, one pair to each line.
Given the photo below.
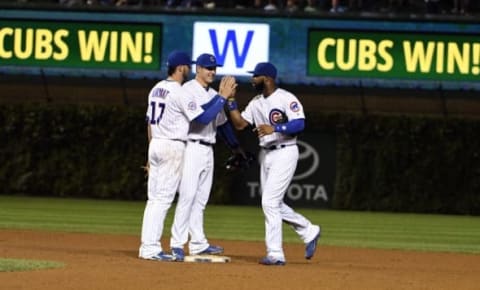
324, 51
80, 45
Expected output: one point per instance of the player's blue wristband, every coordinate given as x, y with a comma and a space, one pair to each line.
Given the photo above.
293, 127
232, 105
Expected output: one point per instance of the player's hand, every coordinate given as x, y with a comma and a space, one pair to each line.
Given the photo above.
146, 168
234, 92
263, 130
228, 86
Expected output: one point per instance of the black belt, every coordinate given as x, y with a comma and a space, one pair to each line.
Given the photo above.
201, 142
275, 147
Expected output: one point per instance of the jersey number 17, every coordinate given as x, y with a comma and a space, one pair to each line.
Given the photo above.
156, 115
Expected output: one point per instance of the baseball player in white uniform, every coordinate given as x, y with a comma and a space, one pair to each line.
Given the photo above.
170, 110
197, 176
277, 116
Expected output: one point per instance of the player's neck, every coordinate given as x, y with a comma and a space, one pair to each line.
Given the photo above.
269, 91
176, 77
202, 83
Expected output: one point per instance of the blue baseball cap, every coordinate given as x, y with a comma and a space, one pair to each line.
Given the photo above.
207, 60
265, 69
176, 58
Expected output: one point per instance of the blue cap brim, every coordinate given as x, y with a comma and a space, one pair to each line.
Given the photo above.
209, 66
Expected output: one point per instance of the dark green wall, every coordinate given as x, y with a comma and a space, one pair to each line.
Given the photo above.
384, 163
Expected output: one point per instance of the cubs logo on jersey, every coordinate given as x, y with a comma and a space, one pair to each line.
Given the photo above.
294, 106
277, 117
192, 106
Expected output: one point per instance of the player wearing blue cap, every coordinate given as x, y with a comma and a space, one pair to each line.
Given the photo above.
197, 176
169, 113
277, 116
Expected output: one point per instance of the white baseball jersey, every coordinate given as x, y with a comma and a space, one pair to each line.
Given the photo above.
277, 167
197, 177
170, 110
199, 131
273, 110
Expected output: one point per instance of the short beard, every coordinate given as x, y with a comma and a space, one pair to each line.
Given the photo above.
259, 87
186, 73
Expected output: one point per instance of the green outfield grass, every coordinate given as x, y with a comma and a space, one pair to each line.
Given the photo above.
13, 265
340, 228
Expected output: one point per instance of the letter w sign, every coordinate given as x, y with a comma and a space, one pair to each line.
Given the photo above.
238, 46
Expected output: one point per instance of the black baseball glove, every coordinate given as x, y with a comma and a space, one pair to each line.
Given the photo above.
240, 162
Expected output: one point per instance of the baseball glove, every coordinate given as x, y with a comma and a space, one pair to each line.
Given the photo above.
240, 162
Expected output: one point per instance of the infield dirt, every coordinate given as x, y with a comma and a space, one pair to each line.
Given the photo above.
95, 261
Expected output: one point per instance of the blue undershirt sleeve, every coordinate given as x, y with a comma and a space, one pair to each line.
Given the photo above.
211, 110
291, 128
227, 134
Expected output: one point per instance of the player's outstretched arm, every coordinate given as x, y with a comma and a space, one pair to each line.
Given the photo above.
237, 120
210, 110
214, 106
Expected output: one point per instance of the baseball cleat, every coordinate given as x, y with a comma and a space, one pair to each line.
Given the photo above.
212, 250
162, 256
179, 254
311, 247
271, 261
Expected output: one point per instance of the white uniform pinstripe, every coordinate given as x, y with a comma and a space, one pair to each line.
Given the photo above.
197, 177
170, 110
277, 167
